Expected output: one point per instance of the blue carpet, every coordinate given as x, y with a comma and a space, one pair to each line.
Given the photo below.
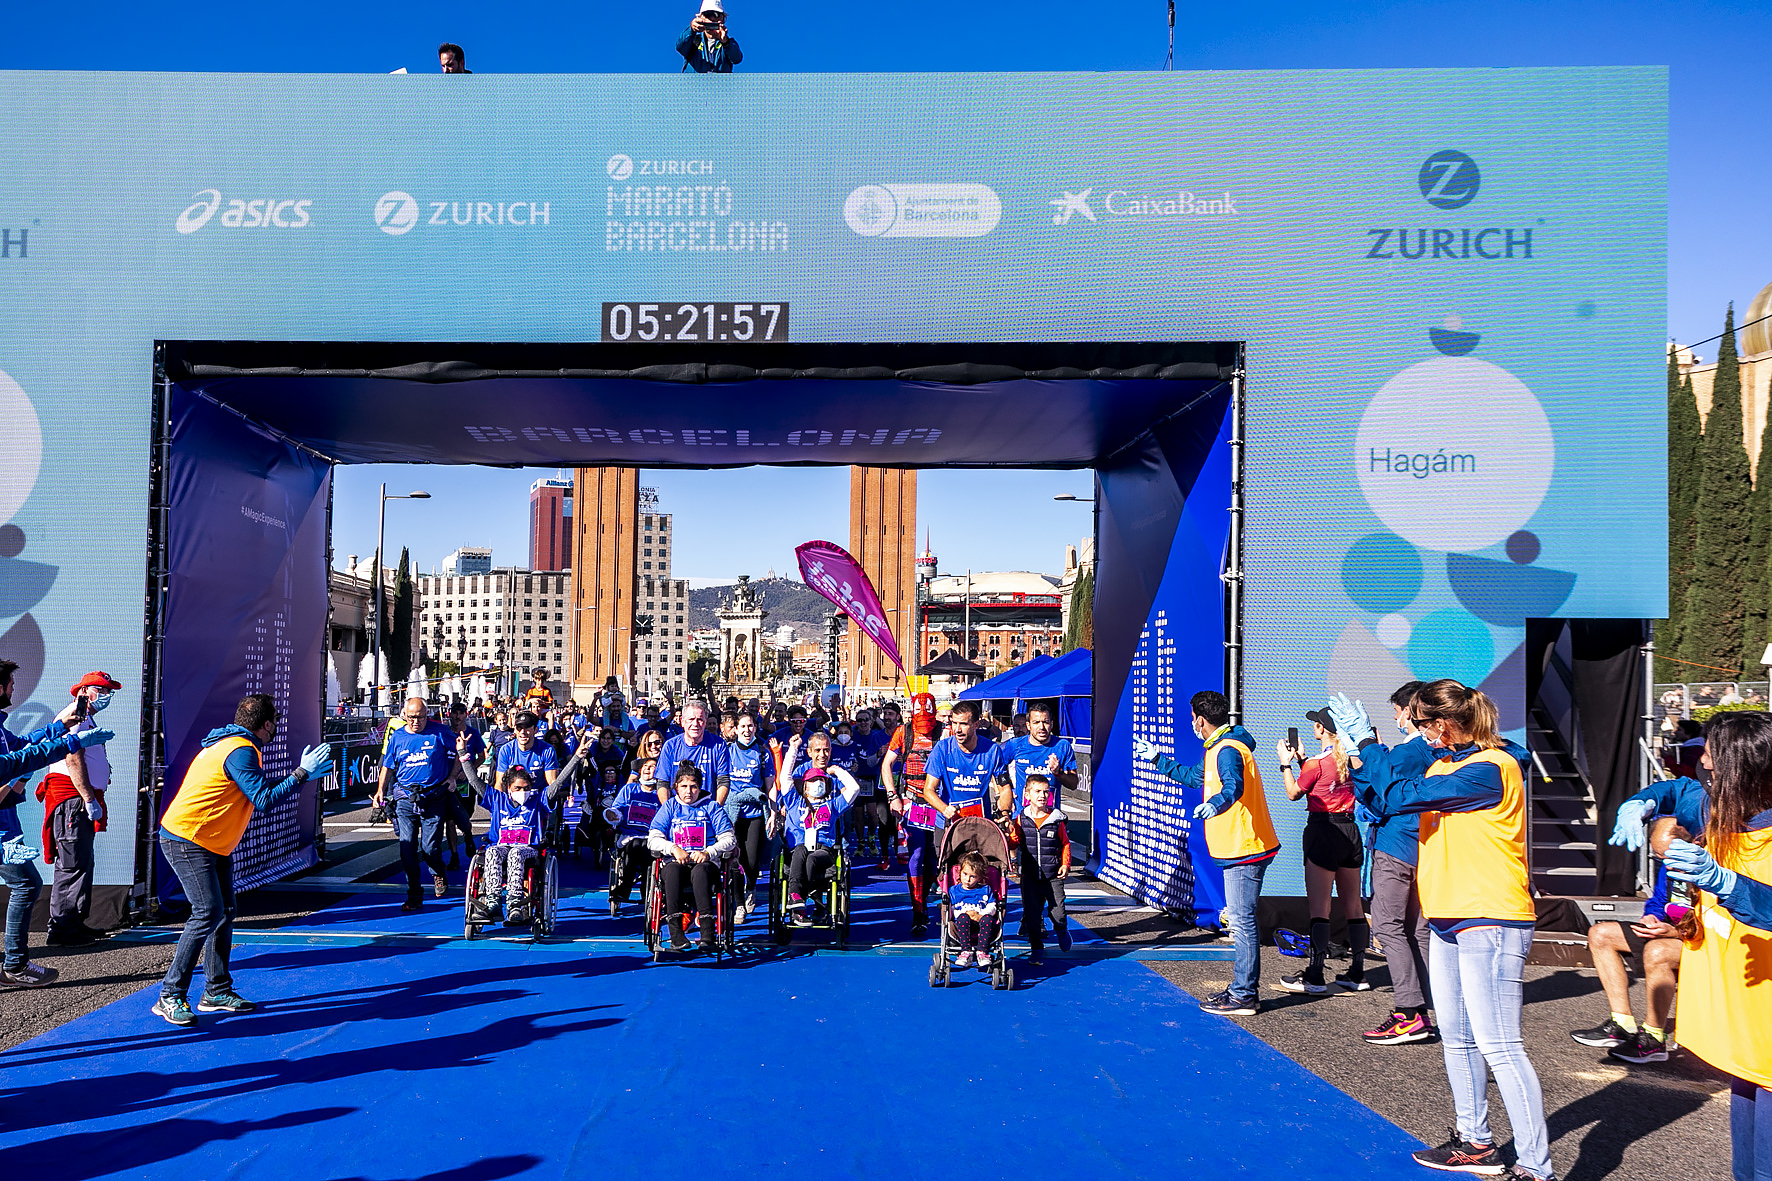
473, 1062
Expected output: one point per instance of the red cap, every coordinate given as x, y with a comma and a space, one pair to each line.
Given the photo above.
97, 679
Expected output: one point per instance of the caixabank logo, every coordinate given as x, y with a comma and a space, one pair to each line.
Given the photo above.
1449, 180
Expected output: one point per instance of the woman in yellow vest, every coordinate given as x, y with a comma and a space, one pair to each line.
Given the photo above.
1478, 903
1726, 966
199, 832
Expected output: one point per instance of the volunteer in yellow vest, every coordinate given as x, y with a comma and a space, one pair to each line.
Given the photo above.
225, 785
1474, 893
1725, 988
1239, 835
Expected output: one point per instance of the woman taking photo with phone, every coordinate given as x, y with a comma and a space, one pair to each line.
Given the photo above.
1475, 893
1333, 852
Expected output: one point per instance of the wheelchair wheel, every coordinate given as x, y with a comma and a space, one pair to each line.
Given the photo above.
544, 893
840, 906
779, 932
653, 901
471, 929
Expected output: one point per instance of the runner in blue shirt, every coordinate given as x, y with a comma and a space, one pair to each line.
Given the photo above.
535, 757
418, 765
696, 745
1041, 752
967, 768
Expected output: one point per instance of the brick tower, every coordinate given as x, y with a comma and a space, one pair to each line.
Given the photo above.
883, 538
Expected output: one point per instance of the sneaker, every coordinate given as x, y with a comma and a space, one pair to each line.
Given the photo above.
69, 937
485, 912
1400, 1028
964, 960
517, 914
1064, 937
1225, 1005
1352, 981
801, 919
1605, 1036
412, 904
796, 902
1302, 982
224, 1002
1458, 1155
93, 932
175, 1009
1036, 954
28, 975
439, 885
1517, 1171
1643, 1047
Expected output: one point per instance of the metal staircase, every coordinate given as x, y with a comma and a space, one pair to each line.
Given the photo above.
1562, 814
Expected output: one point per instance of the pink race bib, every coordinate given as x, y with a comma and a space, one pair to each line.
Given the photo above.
690, 837
922, 816
513, 836
818, 817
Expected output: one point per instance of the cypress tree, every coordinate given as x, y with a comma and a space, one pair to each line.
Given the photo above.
1758, 550
400, 625
1685, 440
1081, 632
1715, 620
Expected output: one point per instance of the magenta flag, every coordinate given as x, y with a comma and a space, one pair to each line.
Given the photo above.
831, 571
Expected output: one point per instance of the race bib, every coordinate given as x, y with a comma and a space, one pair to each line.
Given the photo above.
975, 808
574, 810
641, 811
922, 816
818, 817
513, 836
690, 837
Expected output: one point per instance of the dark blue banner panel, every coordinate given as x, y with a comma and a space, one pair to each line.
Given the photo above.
1159, 638
245, 610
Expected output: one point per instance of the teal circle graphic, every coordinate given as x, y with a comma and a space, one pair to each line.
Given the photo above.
1452, 643
1382, 573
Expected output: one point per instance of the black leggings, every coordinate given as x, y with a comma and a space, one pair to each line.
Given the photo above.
886, 823
702, 879
631, 860
751, 839
808, 865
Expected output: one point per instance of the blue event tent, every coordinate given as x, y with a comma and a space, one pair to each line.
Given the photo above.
1068, 678
1002, 687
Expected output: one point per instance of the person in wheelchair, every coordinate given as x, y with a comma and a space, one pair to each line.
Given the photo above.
629, 812
815, 799
518, 820
691, 835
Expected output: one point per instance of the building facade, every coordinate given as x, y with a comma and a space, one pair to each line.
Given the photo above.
997, 618
883, 540
1754, 346
507, 620
550, 525
468, 560
350, 620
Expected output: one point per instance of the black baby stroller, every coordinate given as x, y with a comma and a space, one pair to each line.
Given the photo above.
963, 835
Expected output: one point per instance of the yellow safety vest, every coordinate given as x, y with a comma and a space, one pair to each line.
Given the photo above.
1243, 830
1725, 1003
1473, 864
209, 809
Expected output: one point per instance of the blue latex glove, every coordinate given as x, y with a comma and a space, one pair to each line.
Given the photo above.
1351, 722
317, 761
1693, 863
95, 737
1632, 824
1205, 811
1147, 751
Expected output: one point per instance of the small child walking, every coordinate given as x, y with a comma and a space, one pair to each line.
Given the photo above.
975, 912
1042, 837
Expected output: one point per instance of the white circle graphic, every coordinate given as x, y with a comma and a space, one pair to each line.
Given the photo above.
396, 213
1454, 454
620, 167
21, 447
198, 214
871, 210
1393, 630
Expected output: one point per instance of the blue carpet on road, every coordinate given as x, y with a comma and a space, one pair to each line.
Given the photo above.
469, 1062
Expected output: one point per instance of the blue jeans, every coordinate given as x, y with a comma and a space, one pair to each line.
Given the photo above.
1242, 890
208, 881
1476, 984
1750, 1130
24, 881
419, 823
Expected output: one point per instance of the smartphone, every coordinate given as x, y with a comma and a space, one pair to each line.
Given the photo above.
1292, 737
81, 704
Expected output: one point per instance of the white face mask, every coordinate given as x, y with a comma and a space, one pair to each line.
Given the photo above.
844, 739
518, 795
817, 789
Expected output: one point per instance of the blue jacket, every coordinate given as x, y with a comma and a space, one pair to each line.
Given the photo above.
697, 56
18, 757
1683, 799
1399, 833
1230, 769
1382, 781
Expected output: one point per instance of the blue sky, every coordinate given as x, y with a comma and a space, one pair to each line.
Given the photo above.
1720, 186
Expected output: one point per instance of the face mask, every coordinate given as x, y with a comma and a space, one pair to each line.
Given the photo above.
518, 795
844, 739
817, 789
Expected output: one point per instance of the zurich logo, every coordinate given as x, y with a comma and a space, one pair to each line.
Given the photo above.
198, 215
396, 213
620, 167
1450, 180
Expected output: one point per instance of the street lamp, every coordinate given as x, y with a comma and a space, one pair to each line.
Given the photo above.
381, 524
1077, 499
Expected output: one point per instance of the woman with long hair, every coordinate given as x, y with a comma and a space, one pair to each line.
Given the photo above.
1725, 998
1333, 853
1477, 898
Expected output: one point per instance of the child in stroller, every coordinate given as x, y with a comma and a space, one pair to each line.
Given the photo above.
976, 913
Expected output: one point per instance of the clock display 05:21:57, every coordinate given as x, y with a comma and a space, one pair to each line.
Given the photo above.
705, 322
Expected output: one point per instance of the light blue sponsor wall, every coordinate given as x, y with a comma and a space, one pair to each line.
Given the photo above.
1332, 220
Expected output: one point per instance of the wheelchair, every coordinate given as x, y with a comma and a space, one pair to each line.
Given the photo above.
542, 882
827, 904
725, 904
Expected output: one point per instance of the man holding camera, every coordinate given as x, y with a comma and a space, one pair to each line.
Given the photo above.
706, 46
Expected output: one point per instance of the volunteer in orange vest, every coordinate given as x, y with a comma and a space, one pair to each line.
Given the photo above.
1725, 988
198, 834
1239, 835
1474, 892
